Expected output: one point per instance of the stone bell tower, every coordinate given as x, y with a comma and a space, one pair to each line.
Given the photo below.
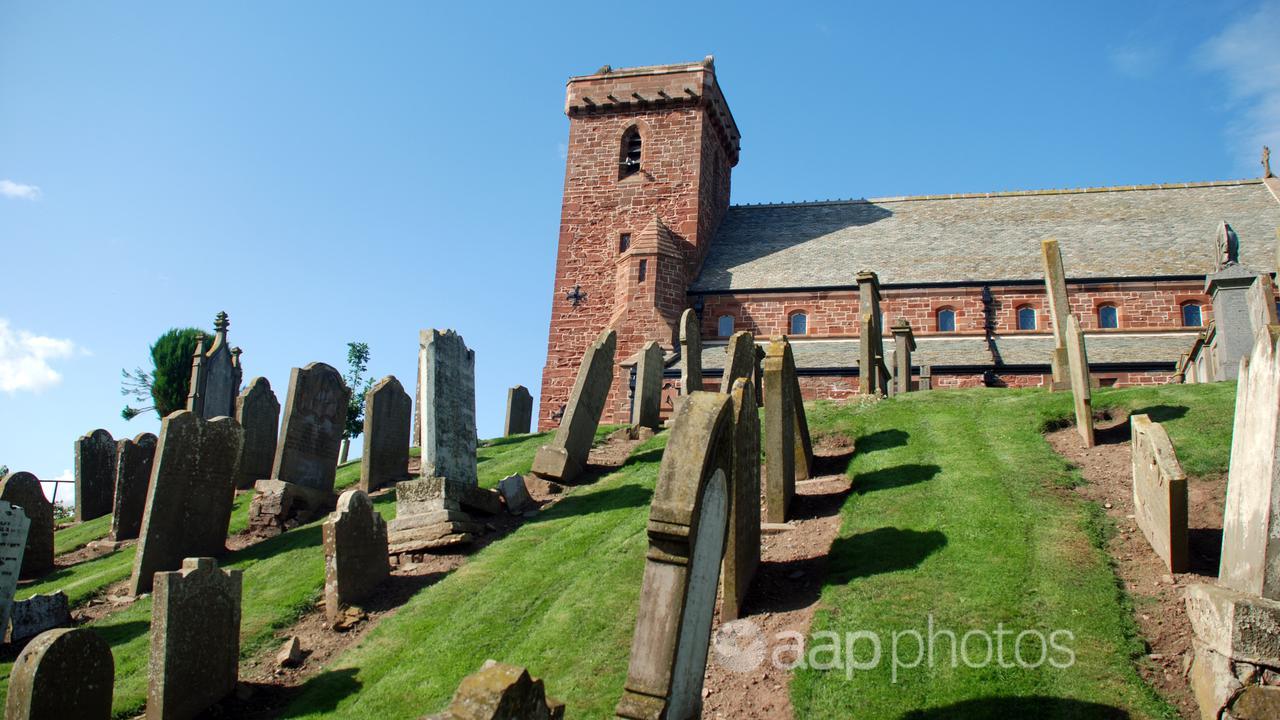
646, 184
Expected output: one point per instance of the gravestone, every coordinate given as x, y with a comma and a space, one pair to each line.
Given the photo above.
688, 523
388, 415
1262, 305
1082, 394
691, 352
1055, 287
646, 406
742, 548
188, 506
258, 412
803, 441
566, 457
195, 639
315, 413
499, 691
1159, 492
133, 474
741, 359
904, 343
38, 613
13, 541
430, 514
872, 374
95, 474
215, 374
62, 674
355, 551
515, 495
926, 377
23, 489
758, 375
779, 432
1250, 555
1231, 287
519, 411
448, 407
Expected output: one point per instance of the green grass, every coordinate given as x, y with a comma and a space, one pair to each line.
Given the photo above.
74, 537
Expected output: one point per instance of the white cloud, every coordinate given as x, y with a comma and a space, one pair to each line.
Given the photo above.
18, 191
24, 359
1245, 54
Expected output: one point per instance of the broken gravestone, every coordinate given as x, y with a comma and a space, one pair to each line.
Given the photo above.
95, 474
355, 551
188, 507
195, 639
1159, 492
66, 673
37, 614
430, 514
647, 403
566, 457
135, 459
23, 490
13, 540
515, 495
388, 417
688, 522
258, 412
742, 548
519, 411
448, 407
499, 691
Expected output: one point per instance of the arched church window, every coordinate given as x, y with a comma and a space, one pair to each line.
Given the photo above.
1108, 317
724, 326
1026, 318
629, 163
799, 323
946, 320
1191, 315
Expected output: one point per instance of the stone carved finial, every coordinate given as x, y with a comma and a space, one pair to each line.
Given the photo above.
221, 322
1266, 162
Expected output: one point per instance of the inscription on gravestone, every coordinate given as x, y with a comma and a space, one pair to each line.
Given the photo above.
315, 413
13, 540
23, 489
449, 407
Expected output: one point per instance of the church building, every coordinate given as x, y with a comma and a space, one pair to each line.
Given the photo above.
647, 231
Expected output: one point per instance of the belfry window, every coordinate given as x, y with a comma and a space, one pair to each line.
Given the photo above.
629, 163
624, 242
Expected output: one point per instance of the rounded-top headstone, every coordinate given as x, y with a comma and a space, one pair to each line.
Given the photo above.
63, 673
23, 489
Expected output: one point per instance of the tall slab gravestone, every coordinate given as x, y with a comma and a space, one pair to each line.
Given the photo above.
388, 416
258, 412
135, 459
1159, 492
519, 417
688, 524
95, 474
62, 674
1082, 394
13, 542
871, 372
188, 506
742, 549
215, 374
315, 413
691, 352
23, 490
904, 343
779, 433
448, 407
646, 406
566, 457
741, 360
355, 552
1055, 287
195, 639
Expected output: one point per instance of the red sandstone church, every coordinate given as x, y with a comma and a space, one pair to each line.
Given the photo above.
646, 231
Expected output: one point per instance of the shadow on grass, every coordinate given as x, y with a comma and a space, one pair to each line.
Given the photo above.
832, 464
893, 477
121, 633
305, 536
883, 550
654, 455
617, 498
508, 440
1163, 413
324, 692
1035, 706
881, 440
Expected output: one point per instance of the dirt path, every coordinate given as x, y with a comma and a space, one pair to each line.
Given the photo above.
783, 596
1157, 594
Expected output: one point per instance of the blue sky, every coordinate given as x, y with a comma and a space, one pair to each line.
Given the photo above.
333, 172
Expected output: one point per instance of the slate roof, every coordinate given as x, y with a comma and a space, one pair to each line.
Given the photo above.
1157, 230
1103, 348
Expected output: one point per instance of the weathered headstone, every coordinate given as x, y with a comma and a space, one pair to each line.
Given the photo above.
758, 375
1261, 301
779, 432
1082, 394
742, 548
13, 541
215, 374
566, 457
688, 523
515, 495
37, 614
430, 514
904, 343
448, 407
1055, 287
388, 411
1236, 314
1236, 648
646, 406
519, 411
741, 360
133, 474
926, 377
188, 506
23, 489
258, 412
195, 639
690, 352
62, 674
355, 551
872, 374
315, 414
499, 691
95, 474
1159, 492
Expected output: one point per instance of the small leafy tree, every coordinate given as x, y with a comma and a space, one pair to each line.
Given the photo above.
357, 366
166, 385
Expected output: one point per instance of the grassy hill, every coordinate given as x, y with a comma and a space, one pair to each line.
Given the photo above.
958, 514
